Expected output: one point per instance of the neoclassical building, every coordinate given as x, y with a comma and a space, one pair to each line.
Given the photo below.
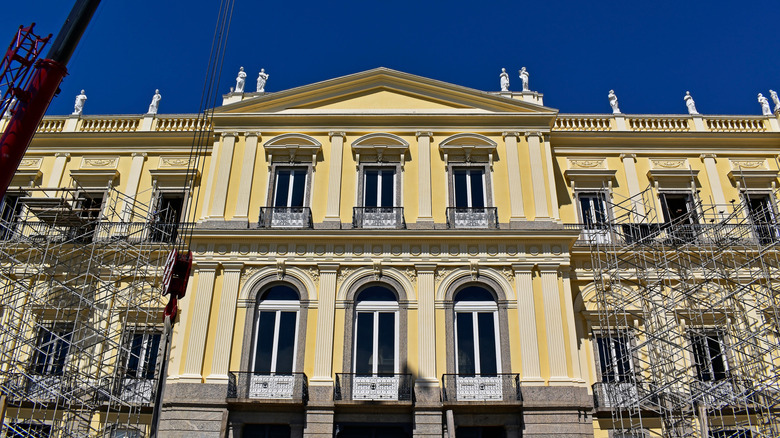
387, 255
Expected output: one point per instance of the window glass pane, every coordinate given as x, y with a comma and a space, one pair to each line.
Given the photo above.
464, 324
477, 190
623, 359
299, 188
461, 189
265, 342
135, 355
388, 198
150, 360
703, 369
369, 191
282, 188
281, 293
286, 345
487, 343
716, 356
376, 293
386, 347
605, 360
61, 352
474, 293
364, 337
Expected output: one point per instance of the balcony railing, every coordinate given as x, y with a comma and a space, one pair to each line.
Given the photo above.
38, 388
376, 387
267, 386
616, 394
722, 393
472, 217
482, 387
100, 232
285, 217
378, 217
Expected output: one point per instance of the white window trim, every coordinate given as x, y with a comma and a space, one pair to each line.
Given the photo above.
375, 308
292, 170
276, 306
469, 191
379, 169
476, 307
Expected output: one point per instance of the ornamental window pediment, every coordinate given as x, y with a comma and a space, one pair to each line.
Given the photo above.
468, 148
292, 148
752, 172
380, 148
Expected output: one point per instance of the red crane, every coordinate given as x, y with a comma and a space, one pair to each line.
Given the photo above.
27, 97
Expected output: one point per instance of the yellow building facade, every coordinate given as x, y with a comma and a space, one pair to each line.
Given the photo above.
383, 254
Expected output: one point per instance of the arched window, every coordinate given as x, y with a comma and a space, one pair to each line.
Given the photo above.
276, 331
376, 332
476, 332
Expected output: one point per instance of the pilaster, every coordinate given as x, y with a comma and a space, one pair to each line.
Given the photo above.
632, 181
223, 175
553, 322
196, 344
333, 208
326, 311
517, 209
426, 325
540, 191
210, 180
529, 344
551, 178
247, 173
131, 190
712, 175
223, 340
571, 327
60, 160
425, 207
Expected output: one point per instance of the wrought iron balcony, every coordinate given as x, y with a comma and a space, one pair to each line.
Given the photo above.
376, 387
629, 393
721, 393
40, 388
378, 217
482, 387
285, 217
267, 386
472, 217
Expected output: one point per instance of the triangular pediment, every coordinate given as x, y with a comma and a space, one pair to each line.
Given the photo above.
382, 90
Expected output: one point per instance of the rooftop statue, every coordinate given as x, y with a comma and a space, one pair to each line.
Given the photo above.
78, 108
240, 80
690, 103
764, 105
773, 94
504, 80
613, 102
262, 77
155, 102
524, 77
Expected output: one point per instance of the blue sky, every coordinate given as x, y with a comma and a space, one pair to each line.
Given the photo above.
649, 52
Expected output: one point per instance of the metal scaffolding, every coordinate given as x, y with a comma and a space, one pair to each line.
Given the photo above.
688, 306
81, 327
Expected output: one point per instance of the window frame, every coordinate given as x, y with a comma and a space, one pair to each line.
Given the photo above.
363, 168
276, 307
474, 308
273, 179
487, 189
375, 308
724, 355
141, 368
60, 331
694, 215
630, 337
607, 212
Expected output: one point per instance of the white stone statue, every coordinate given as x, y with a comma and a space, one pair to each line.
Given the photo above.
524, 77
78, 108
775, 99
764, 105
504, 80
261, 80
240, 80
690, 103
613, 102
155, 102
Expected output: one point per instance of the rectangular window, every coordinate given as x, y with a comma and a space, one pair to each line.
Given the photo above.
379, 188
142, 361
10, 214
678, 207
477, 351
375, 339
593, 208
615, 361
51, 351
709, 356
289, 187
469, 188
762, 215
275, 344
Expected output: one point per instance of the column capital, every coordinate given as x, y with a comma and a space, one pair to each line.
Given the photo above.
332, 134
506, 134
426, 267
252, 134
232, 134
419, 134
549, 267
709, 155
624, 156
206, 265
138, 154
533, 134
328, 267
523, 267
62, 154
233, 266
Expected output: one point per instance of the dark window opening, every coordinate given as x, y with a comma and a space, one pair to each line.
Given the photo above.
165, 222
708, 355
10, 214
290, 187
51, 351
142, 361
615, 358
469, 188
